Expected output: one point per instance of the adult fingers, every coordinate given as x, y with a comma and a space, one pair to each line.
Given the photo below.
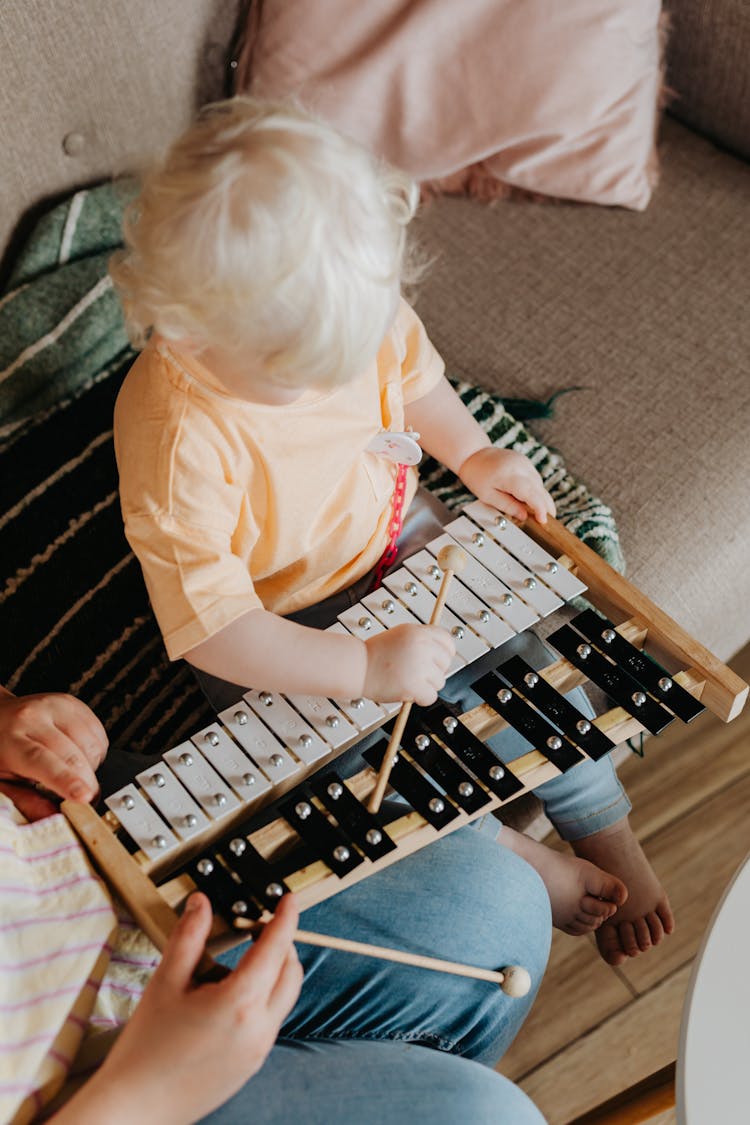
81, 726
58, 764
186, 944
260, 967
33, 746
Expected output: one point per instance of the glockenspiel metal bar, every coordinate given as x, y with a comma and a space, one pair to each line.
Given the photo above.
288, 725
576, 726
421, 601
528, 722
619, 685
536, 560
643, 668
489, 589
390, 611
212, 792
520, 581
467, 607
227, 758
148, 830
172, 799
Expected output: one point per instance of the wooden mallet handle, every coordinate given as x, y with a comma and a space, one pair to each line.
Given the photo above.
514, 980
451, 560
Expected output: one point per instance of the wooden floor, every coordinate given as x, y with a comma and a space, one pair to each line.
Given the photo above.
595, 1030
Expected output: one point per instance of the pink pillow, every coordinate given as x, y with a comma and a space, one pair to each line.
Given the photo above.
558, 97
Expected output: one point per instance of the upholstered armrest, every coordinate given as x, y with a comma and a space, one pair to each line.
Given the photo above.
707, 53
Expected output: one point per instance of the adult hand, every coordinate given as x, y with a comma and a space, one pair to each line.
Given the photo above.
51, 739
508, 481
188, 1048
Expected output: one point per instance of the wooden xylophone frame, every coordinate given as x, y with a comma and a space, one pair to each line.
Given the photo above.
156, 904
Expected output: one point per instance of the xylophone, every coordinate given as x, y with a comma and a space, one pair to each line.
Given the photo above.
253, 805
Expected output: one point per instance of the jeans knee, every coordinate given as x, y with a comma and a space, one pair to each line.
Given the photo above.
522, 908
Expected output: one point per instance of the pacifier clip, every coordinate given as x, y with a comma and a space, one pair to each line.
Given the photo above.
403, 450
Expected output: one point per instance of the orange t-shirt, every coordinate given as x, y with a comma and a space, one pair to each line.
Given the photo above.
232, 506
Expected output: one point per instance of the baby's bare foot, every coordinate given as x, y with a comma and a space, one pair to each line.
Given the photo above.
646, 918
582, 896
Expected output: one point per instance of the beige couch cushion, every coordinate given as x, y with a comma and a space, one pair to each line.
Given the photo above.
649, 312
709, 71
92, 89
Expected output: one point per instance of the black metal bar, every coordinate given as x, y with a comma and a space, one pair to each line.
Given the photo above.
498, 777
419, 742
365, 829
573, 723
424, 798
650, 675
224, 894
528, 722
620, 686
258, 877
331, 846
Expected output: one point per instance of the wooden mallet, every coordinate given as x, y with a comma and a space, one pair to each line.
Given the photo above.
451, 560
514, 980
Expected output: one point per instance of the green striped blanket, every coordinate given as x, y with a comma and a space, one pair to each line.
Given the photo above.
74, 615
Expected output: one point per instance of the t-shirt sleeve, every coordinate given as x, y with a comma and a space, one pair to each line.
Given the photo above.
184, 518
422, 366
195, 583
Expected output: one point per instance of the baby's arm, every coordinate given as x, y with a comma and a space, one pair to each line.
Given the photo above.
265, 651
500, 477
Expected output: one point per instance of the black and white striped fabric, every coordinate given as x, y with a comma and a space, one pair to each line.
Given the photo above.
74, 615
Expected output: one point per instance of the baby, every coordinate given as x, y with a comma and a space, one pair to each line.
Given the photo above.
262, 275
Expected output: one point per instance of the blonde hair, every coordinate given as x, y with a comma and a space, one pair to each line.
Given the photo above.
266, 233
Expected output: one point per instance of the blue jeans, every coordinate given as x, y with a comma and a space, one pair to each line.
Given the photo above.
369, 1040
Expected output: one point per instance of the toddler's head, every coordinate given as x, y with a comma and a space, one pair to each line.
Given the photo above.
267, 235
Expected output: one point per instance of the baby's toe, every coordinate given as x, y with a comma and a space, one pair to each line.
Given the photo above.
665, 915
655, 927
642, 934
600, 884
628, 939
609, 944
597, 908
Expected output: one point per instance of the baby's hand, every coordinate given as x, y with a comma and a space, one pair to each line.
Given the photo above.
409, 662
507, 480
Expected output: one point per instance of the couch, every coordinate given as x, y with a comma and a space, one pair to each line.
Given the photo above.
645, 313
